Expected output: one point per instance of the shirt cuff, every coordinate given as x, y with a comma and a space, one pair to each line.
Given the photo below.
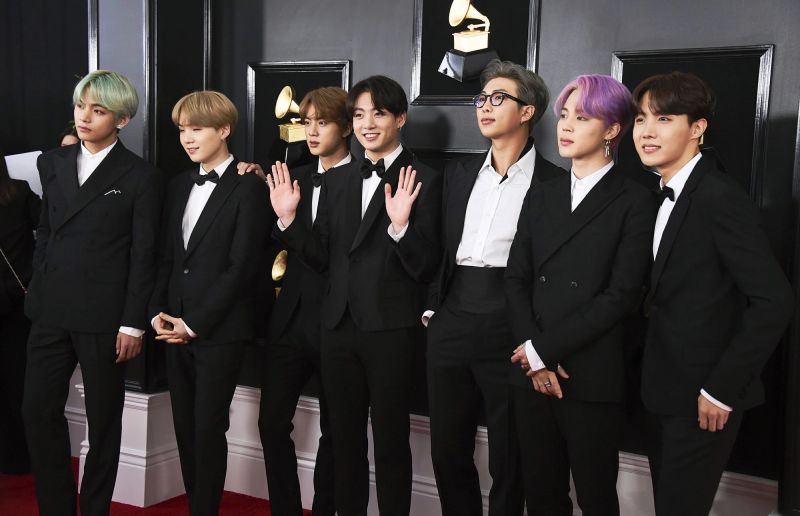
153, 322
133, 332
533, 357
281, 226
399, 235
426, 317
189, 330
715, 401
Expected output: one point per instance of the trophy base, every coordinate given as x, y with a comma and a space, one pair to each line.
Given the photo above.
291, 133
465, 66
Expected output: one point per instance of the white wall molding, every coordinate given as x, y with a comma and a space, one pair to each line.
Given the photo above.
148, 417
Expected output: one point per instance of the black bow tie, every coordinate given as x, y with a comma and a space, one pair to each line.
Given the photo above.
200, 179
316, 179
367, 168
665, 193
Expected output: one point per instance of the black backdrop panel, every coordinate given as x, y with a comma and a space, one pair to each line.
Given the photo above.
740, 78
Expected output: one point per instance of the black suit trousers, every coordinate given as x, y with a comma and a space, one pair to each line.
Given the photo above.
369, 375
686, 462
290, 363
468, 364
52, 356
557, 436
202, 379
14, 329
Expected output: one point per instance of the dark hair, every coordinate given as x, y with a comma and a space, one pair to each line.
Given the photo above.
677, 93
68, 131
7, 188
386, 93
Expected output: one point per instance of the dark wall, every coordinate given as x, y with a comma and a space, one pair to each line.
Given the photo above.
43, 52
576, 37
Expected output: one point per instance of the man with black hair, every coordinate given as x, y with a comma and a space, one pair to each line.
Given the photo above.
378, 249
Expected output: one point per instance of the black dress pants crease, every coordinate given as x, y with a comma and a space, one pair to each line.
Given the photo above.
202, 379
52, 356
686, 462
368, 376
468, 365
289, 364
557, 436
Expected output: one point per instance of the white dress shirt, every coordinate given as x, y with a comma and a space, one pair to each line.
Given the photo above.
492, 213
315, 195
493, 208
198, 197
579, 190
87, 164
677, 183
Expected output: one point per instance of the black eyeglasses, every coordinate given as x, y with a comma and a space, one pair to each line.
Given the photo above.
495, 98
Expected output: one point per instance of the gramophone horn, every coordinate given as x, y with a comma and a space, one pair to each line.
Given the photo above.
279, 265
285, 103
461, 10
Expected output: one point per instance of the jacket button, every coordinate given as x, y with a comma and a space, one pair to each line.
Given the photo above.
186, 271
542, 279
573, 284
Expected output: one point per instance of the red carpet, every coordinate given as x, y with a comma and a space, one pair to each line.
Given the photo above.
17, 498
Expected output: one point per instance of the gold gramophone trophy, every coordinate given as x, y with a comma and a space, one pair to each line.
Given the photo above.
294, 130
279, 268
470, 53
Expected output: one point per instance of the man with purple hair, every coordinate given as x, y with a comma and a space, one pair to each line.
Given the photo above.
576, 269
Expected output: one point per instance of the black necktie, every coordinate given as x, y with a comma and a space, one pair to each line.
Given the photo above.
665, 193
200, 179
367, 168
316, 179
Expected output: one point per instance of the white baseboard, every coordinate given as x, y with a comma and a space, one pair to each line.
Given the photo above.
738, 495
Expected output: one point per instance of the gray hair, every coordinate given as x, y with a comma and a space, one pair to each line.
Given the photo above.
531, 89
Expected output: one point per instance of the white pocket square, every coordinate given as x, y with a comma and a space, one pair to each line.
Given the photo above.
113, 192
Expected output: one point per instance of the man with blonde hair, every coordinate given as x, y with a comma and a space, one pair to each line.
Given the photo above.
214, 226
93, 274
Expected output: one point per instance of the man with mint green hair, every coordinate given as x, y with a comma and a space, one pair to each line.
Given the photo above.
94, 269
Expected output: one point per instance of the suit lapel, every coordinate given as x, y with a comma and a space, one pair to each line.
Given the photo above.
461, 186
565, 223
377, 203
67, 173
227, 183
182, 197
114, 166
675, 221
306, 192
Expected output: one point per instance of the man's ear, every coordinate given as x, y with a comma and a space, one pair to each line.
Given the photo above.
123, 121
612, 131
225, 131
401, 120
699, 127
527, 114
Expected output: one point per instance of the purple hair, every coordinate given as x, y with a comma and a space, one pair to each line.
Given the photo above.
603, 97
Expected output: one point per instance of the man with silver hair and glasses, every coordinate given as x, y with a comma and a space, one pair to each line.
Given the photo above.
469, 332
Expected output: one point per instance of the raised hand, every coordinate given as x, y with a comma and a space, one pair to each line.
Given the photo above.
398, 206
283, 193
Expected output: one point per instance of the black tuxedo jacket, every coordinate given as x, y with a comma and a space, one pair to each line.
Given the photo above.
94, 262
301, 285
459, 179
380, 281
212, 283
573, 276
718, 301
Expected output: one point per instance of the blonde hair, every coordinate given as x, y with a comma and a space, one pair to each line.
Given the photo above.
205, 109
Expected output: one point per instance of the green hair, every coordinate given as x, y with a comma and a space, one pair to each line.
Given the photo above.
111, 90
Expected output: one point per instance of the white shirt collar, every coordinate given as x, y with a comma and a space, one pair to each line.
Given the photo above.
388, 159
678, 181
347, 159
219, 169
589, 181
525, 164
100, 155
